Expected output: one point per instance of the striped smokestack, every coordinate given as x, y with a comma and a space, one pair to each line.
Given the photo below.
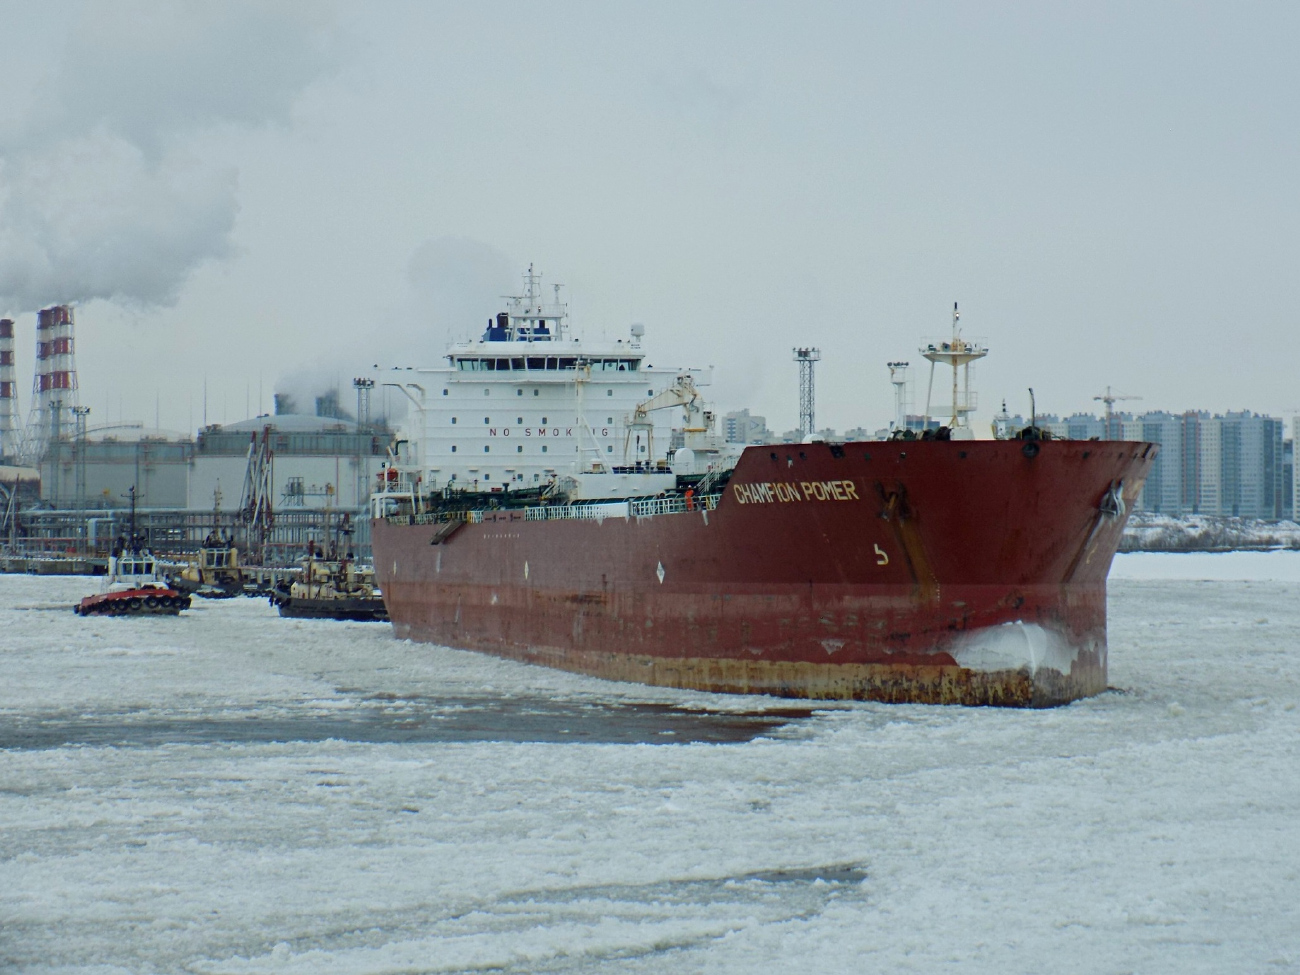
54, 387
10, 438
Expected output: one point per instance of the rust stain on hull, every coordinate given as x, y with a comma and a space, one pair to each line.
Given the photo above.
936, 683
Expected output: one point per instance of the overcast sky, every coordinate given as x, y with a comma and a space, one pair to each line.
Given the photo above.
276, 195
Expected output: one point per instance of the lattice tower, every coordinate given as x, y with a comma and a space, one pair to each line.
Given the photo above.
807, 391
364, 388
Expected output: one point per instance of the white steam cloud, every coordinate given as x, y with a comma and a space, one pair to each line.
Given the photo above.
457, 284
101, 192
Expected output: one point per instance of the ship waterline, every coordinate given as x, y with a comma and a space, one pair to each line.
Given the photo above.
946, 572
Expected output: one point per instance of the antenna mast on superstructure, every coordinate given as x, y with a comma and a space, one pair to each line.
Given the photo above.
958, 353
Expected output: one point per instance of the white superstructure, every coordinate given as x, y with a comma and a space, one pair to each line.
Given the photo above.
529, 403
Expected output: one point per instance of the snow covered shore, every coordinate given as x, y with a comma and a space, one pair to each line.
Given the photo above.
1203, 533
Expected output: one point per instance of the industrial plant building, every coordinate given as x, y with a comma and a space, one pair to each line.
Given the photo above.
319, 462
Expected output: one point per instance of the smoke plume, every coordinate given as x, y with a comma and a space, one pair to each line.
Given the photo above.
102, 191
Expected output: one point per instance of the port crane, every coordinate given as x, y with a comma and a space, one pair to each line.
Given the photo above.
255, 511
1110, 399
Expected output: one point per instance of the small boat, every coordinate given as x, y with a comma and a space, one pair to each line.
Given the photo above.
133, 587
213, 573
332, 590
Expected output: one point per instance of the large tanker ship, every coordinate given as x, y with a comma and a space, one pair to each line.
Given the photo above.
947, 570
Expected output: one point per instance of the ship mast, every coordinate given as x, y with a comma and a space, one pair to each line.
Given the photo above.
958, 353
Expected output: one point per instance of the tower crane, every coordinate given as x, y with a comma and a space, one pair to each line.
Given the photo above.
1110, 399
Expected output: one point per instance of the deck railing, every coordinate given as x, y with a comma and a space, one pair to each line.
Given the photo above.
634, 509
580, 512
599, 511
671, 506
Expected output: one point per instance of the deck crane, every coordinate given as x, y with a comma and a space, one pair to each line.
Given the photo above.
698, 423
1110, 399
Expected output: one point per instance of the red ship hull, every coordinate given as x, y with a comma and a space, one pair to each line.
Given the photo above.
945, 572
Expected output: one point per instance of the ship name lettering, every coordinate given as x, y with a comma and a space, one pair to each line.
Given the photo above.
830, 490
768, 492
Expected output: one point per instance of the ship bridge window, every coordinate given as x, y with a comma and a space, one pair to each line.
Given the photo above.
568, 363
552, 363
516, 363
536, 362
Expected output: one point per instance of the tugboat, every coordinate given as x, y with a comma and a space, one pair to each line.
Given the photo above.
214, 572
331, 587
134, 585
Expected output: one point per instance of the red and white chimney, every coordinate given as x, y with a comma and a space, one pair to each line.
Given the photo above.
54, 387
10, 434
